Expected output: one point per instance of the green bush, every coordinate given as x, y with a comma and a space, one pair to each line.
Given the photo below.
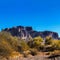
23, 45
5, 47
8, 43
48, 40
37, 42
56, 44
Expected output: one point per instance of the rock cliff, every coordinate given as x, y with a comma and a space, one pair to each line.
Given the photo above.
28, 32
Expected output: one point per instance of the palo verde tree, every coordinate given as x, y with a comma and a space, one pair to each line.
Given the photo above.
37, 42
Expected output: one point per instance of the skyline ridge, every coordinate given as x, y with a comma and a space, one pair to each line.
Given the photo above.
29, 27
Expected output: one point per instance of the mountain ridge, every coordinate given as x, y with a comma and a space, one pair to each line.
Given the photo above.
28, 32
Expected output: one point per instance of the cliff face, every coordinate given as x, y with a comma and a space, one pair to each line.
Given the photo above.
44, 34
28, 32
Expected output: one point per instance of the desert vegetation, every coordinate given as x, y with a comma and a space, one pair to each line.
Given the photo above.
12, 45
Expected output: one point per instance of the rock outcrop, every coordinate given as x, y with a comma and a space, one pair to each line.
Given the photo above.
28, 32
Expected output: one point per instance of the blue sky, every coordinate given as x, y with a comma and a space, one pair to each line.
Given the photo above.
40, 14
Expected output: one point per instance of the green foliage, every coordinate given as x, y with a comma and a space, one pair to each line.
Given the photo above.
52, 44
48, 40
37, 41
5, 47
9, 44
23, 45
56, 44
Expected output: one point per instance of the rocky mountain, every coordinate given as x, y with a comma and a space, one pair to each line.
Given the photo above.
28, 32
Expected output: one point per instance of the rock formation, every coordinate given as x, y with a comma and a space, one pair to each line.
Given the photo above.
28, 32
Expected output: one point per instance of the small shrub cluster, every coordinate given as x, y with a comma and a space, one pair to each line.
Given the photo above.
33, 52
36, 43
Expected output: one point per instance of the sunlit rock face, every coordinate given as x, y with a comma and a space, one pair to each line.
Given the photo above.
28, 32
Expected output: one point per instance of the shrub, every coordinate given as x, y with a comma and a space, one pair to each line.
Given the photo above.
56, 44
5, 47
23, 46
33, 52
37, 42
8, 43
48, 40
26, 53
30, 43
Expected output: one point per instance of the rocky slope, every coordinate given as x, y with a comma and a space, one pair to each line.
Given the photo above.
28, 32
